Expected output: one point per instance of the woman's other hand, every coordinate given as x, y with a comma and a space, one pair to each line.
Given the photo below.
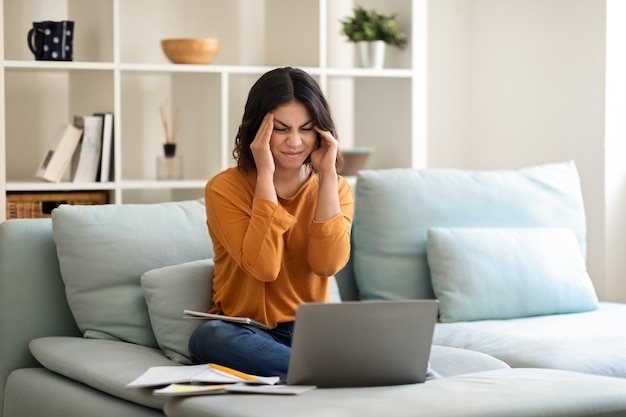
325, 156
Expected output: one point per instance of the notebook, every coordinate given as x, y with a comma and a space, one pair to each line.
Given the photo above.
362, 343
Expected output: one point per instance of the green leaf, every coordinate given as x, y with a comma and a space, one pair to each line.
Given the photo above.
369, 25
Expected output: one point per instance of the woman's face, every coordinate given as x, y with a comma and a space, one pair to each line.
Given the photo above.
293, 138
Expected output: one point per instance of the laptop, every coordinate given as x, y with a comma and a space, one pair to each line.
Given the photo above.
362, 343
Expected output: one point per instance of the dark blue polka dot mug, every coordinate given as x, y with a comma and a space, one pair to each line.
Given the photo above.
51, 41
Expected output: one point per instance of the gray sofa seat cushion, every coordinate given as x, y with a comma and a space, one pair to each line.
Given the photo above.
503, 392
34, 392
105, 365
447, 361
591, 342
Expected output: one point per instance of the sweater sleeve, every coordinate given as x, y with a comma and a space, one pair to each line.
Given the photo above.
250, 229
329, 241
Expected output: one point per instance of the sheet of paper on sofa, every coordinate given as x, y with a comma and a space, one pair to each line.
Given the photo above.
184, 390
178, 390
165, 375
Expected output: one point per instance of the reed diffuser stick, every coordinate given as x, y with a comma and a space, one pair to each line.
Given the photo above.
168, 139
175, 126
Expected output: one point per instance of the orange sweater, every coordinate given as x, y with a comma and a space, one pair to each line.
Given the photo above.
270, 258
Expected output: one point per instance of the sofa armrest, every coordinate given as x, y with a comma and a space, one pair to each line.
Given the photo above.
32, 294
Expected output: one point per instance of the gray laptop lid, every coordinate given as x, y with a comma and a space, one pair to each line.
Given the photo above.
362, 343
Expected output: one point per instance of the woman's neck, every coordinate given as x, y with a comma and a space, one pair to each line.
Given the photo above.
288, 182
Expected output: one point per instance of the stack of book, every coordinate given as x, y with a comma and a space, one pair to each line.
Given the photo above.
81, 151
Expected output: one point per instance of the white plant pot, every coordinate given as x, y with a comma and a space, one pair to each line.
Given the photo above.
372, 54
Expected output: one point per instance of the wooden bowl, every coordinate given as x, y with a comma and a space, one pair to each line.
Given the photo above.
191, 50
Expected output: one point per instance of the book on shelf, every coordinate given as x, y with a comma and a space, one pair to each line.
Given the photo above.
105, 166
58, 157
190, 314
90, 147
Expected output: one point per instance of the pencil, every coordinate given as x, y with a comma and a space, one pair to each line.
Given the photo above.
232, 372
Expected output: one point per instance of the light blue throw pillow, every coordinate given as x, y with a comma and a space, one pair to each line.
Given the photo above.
395, 208
171, 290
503, 273
104, 250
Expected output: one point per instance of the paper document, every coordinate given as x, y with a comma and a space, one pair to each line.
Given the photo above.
165, 375
180, 390
269, 389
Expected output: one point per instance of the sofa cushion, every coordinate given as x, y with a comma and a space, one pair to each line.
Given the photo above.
105, 365
104, 250
590, 342
39, 392
501, 392
170, 290
493, 273
446, 361
395, 207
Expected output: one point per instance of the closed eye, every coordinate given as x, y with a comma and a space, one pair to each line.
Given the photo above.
308, 126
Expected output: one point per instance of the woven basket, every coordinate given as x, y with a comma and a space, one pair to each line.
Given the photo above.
40, 205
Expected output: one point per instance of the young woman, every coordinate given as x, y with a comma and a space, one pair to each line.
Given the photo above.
280, 224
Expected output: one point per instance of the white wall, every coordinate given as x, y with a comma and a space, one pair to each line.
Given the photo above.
615, 151
514, 83
448, 83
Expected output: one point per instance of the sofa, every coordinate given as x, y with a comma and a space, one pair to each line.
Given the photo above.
504, 253
93, 297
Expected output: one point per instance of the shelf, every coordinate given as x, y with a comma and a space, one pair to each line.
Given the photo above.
119, 67
162, 185
363, 72
34, 185
182, 68
61, 65
13, 186
208, 69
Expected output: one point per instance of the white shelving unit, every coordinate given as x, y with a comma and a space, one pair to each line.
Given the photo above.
118, 66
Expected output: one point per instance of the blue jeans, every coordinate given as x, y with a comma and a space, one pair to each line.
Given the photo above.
243, 347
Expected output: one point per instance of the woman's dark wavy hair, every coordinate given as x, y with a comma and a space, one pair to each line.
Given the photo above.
274, 88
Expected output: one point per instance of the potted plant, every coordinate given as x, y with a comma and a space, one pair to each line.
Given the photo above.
372, 31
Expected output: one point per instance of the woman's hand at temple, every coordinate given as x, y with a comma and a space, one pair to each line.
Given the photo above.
264, 160
325, 156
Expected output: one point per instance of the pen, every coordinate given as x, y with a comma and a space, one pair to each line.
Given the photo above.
232, 372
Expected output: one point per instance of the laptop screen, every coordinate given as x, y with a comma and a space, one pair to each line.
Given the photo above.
362, 343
